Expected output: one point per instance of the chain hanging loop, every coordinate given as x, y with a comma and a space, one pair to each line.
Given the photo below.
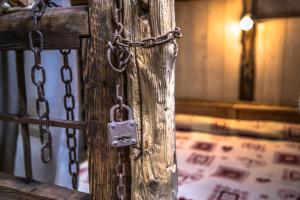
38, 77
69, 105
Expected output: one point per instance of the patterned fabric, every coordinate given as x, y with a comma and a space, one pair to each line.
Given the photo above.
262, 129
213, 167
218, 167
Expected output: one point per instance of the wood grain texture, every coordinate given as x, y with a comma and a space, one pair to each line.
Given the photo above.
99, 92
208, 63
16, 188
150, 86
276, 8
62, 28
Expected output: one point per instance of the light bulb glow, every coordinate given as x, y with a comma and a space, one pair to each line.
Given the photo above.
246, 23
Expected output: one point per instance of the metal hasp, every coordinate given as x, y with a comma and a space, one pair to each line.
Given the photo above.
122, 133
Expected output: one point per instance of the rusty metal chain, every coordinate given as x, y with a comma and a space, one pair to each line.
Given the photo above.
118, 52
120, 172
38, 77
121, 56
69, 105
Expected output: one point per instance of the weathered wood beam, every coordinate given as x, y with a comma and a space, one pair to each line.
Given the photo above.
99, 90
150, 86
264, 9
16, 188
62, 28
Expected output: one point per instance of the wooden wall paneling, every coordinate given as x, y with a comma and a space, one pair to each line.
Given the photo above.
191, 17
269, 58
232, 49
291, 63
208, 61
215, 50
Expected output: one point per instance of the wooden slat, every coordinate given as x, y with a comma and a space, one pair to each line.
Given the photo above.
23, 112
208, 63
79, 2
290, 67
278, 68
269, 59
16, 188
276, 8
62, 28
249, 111
35, 120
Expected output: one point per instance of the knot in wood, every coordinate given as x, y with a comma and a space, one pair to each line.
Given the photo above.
154, 184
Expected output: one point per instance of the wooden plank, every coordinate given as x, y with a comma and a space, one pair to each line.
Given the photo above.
23, 112
208, 63
264, 9
290, 66
79, 2
62, 28
248, 111
16, 188
150, 86
232, 50
191, 62
35, 120
215, 50
270, 58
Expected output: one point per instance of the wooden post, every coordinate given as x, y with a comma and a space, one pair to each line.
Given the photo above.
150, 83
98, 89
150, 86
247, 79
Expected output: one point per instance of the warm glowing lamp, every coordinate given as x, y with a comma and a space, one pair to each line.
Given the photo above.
246, 23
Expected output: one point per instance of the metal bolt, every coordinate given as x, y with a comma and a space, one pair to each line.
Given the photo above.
115, 144
112, 126
133, 141
132, 123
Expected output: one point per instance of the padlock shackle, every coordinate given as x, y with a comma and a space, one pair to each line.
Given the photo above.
113, 109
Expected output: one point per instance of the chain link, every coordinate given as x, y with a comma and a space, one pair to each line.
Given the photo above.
69, 105
118, 52
38, 77
120, 172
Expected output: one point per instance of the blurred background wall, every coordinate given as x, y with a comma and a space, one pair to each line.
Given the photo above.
208, 65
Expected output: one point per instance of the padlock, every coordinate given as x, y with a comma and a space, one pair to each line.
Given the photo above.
122, 133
